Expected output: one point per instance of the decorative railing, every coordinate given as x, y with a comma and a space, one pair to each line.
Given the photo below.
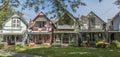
91, 28
66, 27
42, 29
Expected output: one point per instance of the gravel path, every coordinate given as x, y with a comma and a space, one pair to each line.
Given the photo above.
13, 54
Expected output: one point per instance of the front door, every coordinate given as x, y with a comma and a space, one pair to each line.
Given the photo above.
11, 40
65, 38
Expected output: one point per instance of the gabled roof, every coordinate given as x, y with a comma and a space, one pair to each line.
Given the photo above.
96, 16
17, 16
115, 16
62, 15
41, 15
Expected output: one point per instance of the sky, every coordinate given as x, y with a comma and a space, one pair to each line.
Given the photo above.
105, 10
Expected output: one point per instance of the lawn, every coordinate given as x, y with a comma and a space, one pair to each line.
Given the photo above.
73, 52
4, 55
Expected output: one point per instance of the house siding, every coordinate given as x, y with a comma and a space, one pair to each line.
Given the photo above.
7, 28
116, 23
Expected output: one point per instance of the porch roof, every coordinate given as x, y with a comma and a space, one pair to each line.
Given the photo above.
12, 33
66, 32
92, 31
34, 32
114, 31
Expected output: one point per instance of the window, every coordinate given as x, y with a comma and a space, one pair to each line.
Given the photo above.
15, 23
40, 24
92, 21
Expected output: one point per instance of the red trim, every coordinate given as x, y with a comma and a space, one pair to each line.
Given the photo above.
31, 24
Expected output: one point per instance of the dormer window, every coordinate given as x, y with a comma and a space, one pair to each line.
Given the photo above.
15, 23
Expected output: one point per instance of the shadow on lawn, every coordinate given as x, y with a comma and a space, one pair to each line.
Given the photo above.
73, 52
57, 52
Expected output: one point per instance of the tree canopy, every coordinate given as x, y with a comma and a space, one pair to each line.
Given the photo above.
5, 12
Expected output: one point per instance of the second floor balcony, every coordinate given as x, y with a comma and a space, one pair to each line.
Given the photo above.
44, 29
66, 27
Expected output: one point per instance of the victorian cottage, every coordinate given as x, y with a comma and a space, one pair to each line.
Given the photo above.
14, 30
41, 30
67, 30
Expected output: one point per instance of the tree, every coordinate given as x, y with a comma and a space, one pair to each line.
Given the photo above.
5, 12
117, 2
57, 6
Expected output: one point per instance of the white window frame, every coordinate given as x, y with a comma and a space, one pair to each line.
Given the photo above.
15, 23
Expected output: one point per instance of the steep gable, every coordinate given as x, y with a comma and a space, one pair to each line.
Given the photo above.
65, 19
40, 21
17, 17
14, 25
115, 22
40, 17
92, 14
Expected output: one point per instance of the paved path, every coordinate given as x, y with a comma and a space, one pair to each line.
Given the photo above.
13, 54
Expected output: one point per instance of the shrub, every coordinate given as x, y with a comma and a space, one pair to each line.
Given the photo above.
102, 44
44, 46
3, 45
115, 44
84, 44
16, 48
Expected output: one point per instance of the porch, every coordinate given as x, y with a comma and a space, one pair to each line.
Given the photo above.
13, 39
44, 38
91, 37
65, 38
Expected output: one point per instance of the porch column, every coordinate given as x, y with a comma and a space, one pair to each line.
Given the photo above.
6, 39
109, 40
69, 39
15, 40
28, 39
54, 38
91, 36
81, 36
76, 38
50, 38
35, 38
105, 35
61, 39
42, 36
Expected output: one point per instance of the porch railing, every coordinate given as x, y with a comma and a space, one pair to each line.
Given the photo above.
66, 27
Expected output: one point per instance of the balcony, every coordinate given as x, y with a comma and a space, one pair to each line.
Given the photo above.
66, 27
42, 29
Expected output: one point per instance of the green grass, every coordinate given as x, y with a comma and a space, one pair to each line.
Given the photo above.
4, 55
73, 52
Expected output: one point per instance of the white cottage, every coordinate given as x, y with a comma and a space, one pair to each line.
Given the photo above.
14, 30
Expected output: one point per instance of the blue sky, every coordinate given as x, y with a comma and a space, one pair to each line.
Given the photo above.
105, 10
